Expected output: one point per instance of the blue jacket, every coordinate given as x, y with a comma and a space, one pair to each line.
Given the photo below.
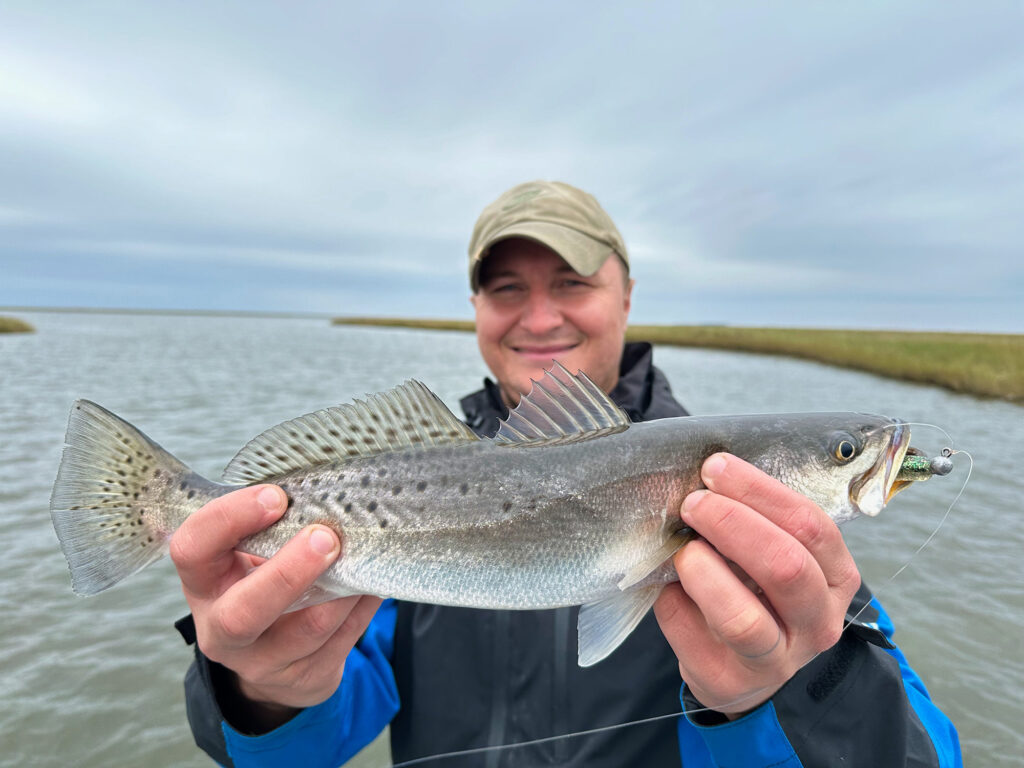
858, 704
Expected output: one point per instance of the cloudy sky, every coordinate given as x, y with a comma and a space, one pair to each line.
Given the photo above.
780, 163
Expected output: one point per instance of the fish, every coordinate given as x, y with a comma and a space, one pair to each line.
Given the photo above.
570, 503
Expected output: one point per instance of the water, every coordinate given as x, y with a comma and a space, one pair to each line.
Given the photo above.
98, 682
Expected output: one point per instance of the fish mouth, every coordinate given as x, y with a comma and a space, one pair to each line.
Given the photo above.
873, 489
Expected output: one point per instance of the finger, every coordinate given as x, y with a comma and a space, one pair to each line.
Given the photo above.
314, 675
684, 626
732, 612
203, 547
792, 580
304, 633
789, 510
252, 604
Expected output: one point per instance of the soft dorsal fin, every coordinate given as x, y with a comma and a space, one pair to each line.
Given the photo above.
407, 416
561, 408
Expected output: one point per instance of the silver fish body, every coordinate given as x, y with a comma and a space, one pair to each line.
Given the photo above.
569, 504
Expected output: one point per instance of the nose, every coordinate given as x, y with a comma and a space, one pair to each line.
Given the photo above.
541, 314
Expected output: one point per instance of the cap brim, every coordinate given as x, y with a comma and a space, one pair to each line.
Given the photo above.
584, 254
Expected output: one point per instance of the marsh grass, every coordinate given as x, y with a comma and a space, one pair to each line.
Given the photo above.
988, 365
14, 325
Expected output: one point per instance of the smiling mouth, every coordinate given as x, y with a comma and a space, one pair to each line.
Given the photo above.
547, 350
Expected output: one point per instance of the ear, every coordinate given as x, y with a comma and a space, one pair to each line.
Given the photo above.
627, 301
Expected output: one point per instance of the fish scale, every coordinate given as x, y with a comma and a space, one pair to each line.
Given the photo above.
569, 504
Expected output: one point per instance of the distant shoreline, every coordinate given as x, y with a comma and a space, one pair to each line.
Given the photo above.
14, 325
981, 364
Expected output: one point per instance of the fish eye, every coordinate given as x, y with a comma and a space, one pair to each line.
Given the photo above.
843, 448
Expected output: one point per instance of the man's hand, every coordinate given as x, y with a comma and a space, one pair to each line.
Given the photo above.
765, 593
283, 662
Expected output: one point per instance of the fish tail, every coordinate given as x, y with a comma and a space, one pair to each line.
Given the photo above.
117, 499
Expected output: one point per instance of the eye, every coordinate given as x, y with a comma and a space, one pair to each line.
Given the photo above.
843, 449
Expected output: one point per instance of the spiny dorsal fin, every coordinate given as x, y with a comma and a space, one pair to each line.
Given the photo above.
561, 408
407, 416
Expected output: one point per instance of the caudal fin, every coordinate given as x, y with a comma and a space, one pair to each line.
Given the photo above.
115, 501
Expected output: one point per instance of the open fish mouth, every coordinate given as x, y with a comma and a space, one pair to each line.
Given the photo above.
873, 489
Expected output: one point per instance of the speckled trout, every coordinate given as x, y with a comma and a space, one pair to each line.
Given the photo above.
568, 504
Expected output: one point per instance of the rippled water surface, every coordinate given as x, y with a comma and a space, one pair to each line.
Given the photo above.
98, 682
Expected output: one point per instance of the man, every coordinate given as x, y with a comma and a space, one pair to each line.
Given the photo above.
754, 627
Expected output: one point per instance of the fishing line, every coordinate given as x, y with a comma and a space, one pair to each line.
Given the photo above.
946, 453
534, 742
970, 469
574, 734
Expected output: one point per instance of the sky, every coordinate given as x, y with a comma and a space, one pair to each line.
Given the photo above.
773, 163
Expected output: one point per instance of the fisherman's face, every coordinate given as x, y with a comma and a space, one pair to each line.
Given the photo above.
532, 308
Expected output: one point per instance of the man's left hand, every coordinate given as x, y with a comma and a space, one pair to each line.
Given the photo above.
763, 593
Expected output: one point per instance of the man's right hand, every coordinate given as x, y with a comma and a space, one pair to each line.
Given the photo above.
282, 662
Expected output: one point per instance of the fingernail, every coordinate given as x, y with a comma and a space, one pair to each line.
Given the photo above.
691, 501
713, 466
270, 499
322, 542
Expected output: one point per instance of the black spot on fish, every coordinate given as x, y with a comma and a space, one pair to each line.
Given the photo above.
382, 471
464, 489
371, 430
421, 485
364, 480
506, 507
281, 457
375, 417
334, 433
434, 433
371, 507
390, 433
341, 496
314, 481
191, 494
395, 490
323, 496
310, 437
158, 473
383, 523
296, 447
348, 507
264, 464
128, 460
327, 448
356, 428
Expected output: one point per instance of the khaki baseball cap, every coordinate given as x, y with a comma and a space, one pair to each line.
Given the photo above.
565, 219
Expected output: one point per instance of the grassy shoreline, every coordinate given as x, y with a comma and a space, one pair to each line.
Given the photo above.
982, 364
14, 325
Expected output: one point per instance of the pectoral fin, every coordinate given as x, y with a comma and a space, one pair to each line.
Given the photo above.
314, 595
646, 566
604, 625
